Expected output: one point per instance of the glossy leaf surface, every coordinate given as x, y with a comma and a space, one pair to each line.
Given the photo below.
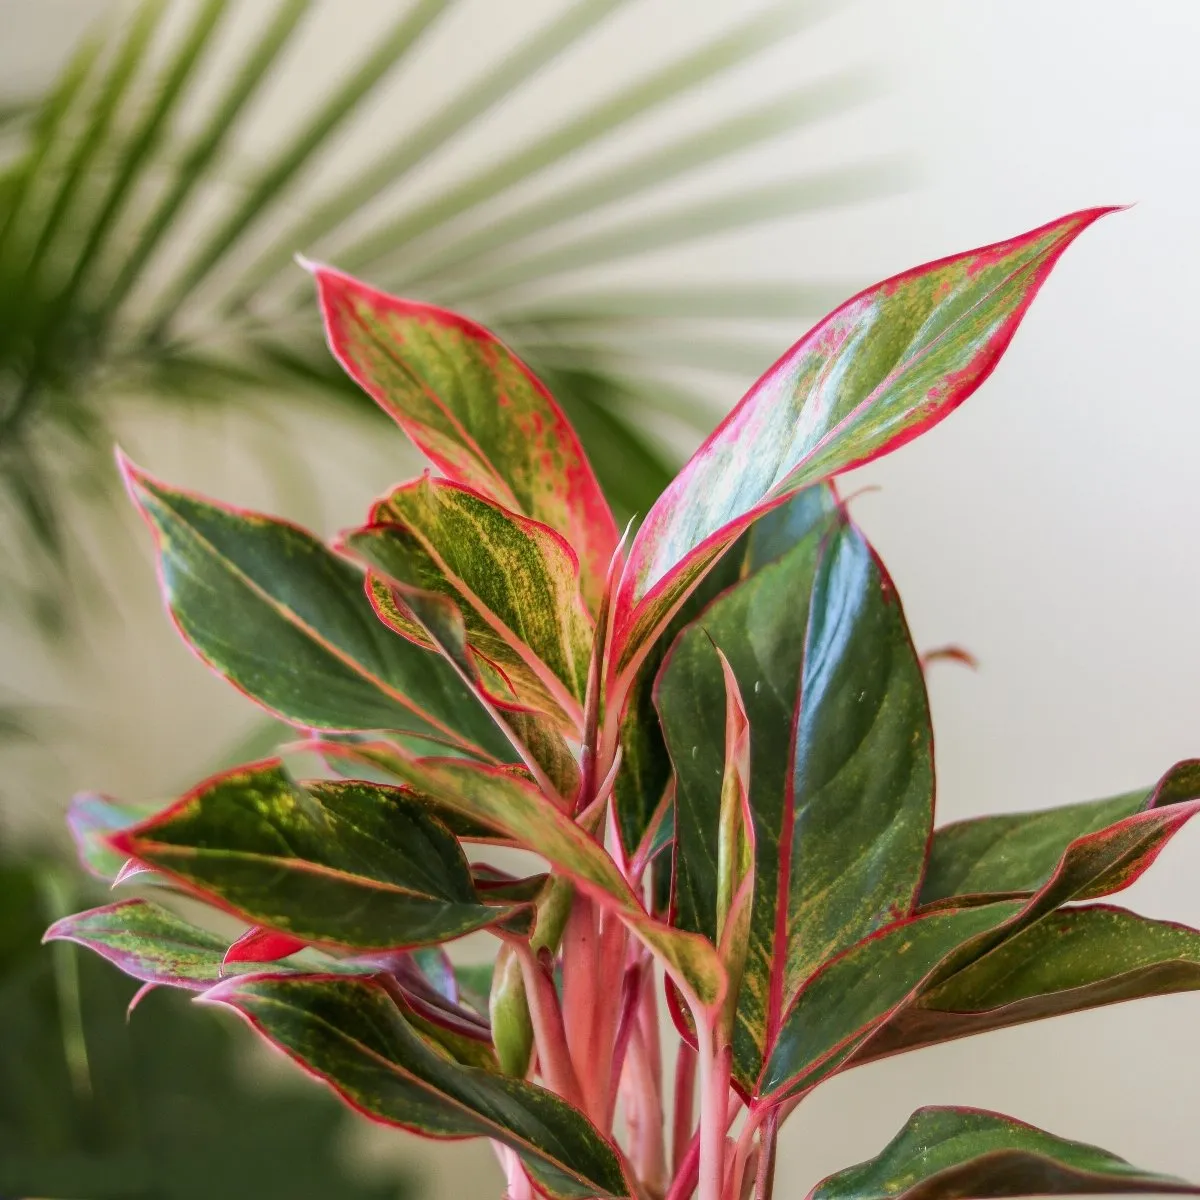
947, 1153
841, 785
286, 621
850, 998
516, 582
351, 1034
1071, 960
343, 863
645, 769
474, 409
887, 365
1014, 854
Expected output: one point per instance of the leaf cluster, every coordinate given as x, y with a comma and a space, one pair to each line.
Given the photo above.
142, 255
714, 735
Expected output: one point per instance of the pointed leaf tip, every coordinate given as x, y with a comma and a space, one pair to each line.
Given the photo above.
472, 407
884, 367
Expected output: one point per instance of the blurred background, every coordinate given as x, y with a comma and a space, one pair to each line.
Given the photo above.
652, 199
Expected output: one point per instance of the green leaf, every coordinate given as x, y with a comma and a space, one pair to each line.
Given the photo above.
100, 1105
148, 942
433, 620
841, 786
1071, 960
254, 72
1015, 854
91, 817
298, 153
619, 181
604, 410
516, 582
880, 370
351, 1034
514, 807
645, 768
474, 409
854, 994
880, 979
946, 1153
382, 762
346, 864
286, 621
415, 146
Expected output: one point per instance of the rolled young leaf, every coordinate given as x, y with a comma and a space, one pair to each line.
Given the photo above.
946, 1153
884, 367
516, 582
350, 1034
285, 620
841, 786
341, 863
1015, 854
1073, 959
474, 409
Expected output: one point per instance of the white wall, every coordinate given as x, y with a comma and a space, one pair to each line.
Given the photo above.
1052, 525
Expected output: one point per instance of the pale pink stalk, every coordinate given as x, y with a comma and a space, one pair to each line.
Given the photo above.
549, 1034
714, 1062
683, 1119
580, 973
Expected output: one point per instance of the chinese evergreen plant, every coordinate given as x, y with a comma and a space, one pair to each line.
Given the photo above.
715, 736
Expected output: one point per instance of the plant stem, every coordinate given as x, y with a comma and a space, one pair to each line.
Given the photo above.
714, 1091
685, 1104
548, 1032
580, 979
764, 1183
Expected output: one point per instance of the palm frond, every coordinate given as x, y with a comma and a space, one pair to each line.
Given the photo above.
134, 255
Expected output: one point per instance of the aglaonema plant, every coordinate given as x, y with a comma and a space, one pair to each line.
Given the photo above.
714, 737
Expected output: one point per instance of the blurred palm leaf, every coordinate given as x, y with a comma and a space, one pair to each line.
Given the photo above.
107, 288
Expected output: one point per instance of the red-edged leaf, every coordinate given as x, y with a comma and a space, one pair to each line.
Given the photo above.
340, 863
258, 945
878, 981
285, 620
474, 409
1078, 958
841, 753
515, 580
351, 1034
853, 995
1014, 854
147, 942
883, 368
515, 808
948, 1153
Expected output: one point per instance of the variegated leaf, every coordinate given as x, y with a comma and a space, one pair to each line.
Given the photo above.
474, 409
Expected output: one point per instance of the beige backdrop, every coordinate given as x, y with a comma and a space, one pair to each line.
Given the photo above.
1051, 526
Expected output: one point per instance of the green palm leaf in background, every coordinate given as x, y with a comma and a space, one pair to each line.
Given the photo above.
143, 255
137, 257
